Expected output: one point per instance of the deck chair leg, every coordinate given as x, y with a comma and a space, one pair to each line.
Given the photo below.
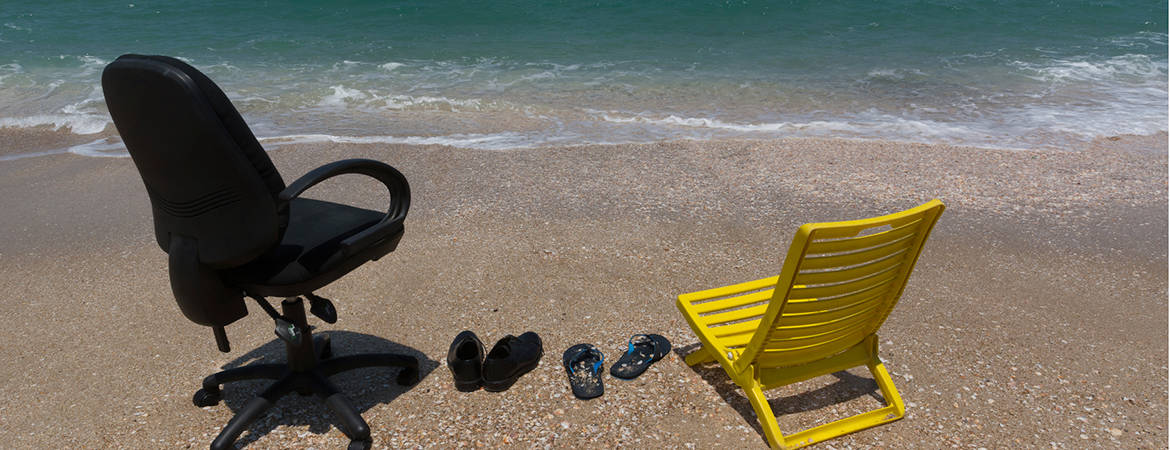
893, 400
764, 414
700, 356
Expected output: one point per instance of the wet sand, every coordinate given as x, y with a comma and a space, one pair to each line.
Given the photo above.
1037, 315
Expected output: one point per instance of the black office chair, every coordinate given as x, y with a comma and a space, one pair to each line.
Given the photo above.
233, 229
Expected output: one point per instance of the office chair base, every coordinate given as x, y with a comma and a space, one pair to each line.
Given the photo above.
307, 371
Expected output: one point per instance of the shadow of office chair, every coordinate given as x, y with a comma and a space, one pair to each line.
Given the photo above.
232, 229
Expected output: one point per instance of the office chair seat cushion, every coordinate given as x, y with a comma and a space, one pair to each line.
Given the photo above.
310, 251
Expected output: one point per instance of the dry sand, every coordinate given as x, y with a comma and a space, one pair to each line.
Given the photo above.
1037, 315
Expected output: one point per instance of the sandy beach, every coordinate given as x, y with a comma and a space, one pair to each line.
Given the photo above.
1037, 315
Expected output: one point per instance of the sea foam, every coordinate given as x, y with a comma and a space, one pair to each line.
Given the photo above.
74, 123
493, 141
101, 148
1130, 68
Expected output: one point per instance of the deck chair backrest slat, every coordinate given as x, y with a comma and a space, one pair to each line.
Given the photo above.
805, 323
839, 282
877, 280
803, 347
810, 277
786, 335
782, 359
795, 346
843, 260
849, 244
820, 307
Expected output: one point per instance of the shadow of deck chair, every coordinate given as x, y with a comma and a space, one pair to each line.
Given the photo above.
819, 316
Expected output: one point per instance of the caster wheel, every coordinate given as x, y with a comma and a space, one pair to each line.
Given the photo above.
407, 377
203, 398
360, 445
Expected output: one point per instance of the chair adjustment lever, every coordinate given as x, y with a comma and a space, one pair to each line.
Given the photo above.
285, 329
288, 332
322, 308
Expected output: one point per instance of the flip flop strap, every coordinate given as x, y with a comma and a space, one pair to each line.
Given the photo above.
596, 365
630, 349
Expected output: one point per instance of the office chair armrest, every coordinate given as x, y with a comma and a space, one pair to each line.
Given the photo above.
393, 179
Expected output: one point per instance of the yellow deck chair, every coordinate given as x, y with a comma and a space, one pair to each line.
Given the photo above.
819, 316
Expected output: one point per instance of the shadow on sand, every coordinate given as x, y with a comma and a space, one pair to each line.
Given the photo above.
847, 387
363, 387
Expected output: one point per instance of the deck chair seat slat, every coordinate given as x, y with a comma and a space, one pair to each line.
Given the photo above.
734, 329
753, 312
732, 302
730, 335
737, 340
726, 291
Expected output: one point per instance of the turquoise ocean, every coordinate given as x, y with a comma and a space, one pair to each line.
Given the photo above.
521, 74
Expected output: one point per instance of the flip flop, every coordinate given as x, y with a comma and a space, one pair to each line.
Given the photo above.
583, 364
644, 350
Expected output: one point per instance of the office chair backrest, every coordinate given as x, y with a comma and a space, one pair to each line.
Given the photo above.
208, 179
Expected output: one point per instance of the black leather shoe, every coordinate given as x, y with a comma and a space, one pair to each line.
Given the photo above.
465, 358
509, 359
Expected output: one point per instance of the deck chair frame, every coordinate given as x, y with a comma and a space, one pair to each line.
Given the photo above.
818, 316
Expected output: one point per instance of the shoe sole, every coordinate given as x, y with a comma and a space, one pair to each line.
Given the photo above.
467, 386
503, 385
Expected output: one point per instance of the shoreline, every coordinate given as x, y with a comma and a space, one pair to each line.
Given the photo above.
45, 140
1010, 314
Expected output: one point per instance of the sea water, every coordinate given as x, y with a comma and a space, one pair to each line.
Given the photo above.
520, 74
